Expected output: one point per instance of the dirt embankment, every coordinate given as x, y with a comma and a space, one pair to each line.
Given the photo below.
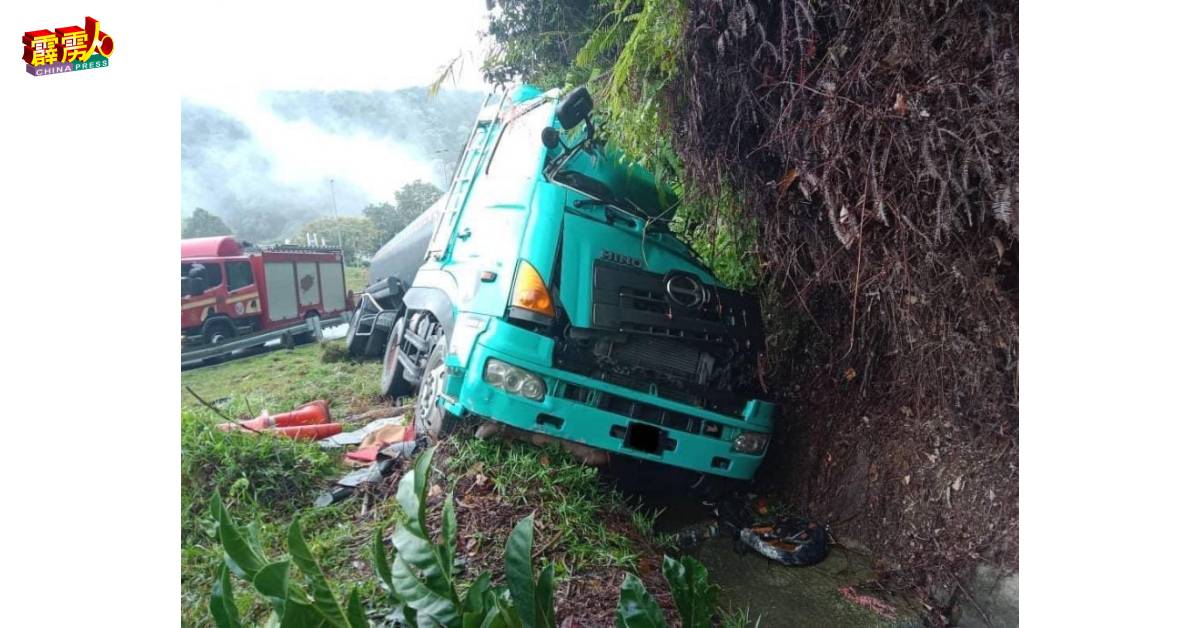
875, 146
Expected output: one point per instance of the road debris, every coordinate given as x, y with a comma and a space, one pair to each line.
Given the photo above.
307, 432
359, 435
794, 542
787, 540
384, 463
868, 602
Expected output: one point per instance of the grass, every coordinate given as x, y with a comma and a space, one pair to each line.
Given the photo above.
584, 517
356, 278
267, 480
581, 523
281, 380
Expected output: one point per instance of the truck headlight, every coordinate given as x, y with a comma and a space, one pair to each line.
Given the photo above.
751, 443
513, 379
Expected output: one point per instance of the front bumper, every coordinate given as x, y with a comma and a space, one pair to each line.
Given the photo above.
594, 412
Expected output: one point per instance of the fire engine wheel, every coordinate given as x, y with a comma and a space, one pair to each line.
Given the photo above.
392, 382
429, 417
217, 331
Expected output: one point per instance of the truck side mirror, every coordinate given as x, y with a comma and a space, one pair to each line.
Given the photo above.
574, 107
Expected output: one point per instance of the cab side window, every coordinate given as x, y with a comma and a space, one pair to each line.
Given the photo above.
238, 275
210, 272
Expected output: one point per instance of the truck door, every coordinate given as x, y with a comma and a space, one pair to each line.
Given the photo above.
194, 308
243, 298
493, 217
459, 190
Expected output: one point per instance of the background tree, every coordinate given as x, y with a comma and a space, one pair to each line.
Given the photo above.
359, 236
410, 200
258, 225
537, 40
202, 224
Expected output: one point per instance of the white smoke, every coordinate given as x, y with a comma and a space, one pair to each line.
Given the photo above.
253, 151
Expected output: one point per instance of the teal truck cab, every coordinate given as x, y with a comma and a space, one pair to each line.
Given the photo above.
553, 298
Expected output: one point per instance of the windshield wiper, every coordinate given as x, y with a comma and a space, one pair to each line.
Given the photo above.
612, 211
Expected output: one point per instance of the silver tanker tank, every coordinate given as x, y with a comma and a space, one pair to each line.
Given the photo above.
405, 252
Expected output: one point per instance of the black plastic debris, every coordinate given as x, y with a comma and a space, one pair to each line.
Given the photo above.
789, 541
384, 463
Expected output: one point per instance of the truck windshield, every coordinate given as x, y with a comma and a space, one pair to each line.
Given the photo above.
520, 145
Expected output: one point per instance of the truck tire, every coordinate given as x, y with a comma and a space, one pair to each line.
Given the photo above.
429, 418
392, 382
355, 344
218, 330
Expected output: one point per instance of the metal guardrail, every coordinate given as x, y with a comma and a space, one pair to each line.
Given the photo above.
254, 340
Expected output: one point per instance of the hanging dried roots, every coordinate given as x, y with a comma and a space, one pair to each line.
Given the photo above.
875, 145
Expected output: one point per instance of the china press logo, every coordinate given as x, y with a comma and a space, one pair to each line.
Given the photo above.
67, 49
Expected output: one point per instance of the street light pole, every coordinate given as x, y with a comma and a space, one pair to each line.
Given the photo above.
337, 224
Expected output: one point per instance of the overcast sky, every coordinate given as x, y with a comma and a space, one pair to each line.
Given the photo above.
268, 157
335, 45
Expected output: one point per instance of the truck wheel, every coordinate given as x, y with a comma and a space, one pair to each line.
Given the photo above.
218, 330
429, 418
355, 344
392, 382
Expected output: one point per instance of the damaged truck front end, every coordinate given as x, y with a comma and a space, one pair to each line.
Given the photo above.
555, 299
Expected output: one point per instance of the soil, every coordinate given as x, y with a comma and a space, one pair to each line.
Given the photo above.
929, 496
875, 148
586, 597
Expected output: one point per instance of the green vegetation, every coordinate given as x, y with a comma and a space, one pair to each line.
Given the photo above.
259, 474
421, 581
268, 481
410, 200
358, 237
629, 59
568, 496
627, 53
202, 224
356, 277
282, 380
537, 39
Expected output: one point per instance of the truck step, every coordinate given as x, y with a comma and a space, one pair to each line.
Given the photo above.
421, 344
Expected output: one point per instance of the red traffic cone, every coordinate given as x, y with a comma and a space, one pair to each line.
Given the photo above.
308, 432
311, 413
257, 424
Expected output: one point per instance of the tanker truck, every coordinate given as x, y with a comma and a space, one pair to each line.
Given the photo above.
391, 271
546, 292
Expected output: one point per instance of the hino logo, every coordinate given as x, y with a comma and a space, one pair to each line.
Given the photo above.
617, 258
686, 291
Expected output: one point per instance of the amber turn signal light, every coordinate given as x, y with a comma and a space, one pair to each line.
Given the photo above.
530, 293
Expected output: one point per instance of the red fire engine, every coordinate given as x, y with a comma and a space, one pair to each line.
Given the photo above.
230, 288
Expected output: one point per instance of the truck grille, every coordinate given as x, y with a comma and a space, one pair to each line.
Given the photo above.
635, 301
644, 412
